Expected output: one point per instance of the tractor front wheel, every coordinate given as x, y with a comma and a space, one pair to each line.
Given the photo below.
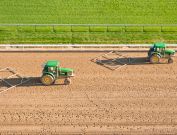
170, 60
47, 80
67, 81
154, 59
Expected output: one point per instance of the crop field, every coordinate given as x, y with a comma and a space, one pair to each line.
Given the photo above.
87, 12
135, 99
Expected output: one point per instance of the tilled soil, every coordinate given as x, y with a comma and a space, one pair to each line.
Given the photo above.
140, 98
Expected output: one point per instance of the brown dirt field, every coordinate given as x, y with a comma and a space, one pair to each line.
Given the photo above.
136, 99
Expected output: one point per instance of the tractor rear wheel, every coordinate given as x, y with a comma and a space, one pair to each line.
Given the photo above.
170, 60
47, 80
154, 59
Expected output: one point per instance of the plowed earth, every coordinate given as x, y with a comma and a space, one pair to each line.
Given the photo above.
140, 98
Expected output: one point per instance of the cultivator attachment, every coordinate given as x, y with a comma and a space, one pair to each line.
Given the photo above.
9, 79
113, 60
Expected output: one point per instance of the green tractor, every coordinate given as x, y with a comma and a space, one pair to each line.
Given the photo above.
158, 51
52, 71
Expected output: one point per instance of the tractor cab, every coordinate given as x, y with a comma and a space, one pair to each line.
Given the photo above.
157, 47
158, 51
51, 66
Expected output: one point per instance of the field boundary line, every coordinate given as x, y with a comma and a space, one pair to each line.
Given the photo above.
88, 24
82, 45
77, 47
90, 27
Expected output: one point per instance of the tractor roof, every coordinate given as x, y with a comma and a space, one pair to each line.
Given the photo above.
159, 45
52, 63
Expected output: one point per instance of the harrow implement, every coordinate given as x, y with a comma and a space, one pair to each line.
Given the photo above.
9, 85
113, 60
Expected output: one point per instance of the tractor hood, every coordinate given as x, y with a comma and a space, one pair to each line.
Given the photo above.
170, 51
66, 70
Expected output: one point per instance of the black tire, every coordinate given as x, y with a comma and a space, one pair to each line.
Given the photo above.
67, 81
170, 60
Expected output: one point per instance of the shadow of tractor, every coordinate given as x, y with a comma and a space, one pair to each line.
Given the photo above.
25, 82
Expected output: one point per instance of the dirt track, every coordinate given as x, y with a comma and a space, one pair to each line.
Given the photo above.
140, 98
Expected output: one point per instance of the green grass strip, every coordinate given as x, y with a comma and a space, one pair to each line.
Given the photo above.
98, 29
115, 29
169, 29
80, 29
133, 29
62, 28
152, 29
8, 28
43, 28
26, 28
